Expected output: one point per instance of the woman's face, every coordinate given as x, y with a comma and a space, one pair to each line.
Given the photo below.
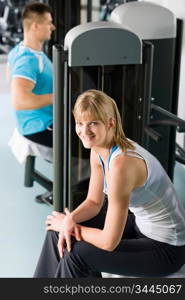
92, 133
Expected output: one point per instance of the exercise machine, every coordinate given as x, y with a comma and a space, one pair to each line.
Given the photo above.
90, 58
122, 59
158, 26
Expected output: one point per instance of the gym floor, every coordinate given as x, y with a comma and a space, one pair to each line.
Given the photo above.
22, 220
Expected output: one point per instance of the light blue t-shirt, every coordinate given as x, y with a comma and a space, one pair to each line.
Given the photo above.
33, 65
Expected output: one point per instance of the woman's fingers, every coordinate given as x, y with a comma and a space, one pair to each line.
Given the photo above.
61, 242
69, 229
67, 212
68, 241
58, 214
55, 213
55, 221
47, 221
77, 233
49, 227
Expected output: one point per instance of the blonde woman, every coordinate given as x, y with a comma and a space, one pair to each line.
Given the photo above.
139, 230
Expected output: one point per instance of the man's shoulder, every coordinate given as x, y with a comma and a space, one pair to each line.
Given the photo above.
23, 61
12, 53
19, 53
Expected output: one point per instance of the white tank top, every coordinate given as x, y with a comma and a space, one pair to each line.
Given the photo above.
158, 211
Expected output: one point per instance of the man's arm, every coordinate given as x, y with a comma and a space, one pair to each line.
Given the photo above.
23, 98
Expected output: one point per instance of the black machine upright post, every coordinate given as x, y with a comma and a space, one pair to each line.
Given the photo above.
66, 15
147, 90
60, 142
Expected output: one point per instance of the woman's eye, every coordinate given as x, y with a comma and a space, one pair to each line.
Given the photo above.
93, 123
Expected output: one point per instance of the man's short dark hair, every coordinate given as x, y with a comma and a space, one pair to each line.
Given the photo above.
35, 8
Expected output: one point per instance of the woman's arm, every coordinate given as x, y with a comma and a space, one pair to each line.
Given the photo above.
125, 175
90, 207
94, 200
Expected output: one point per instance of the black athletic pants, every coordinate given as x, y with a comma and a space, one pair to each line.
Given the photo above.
136, 255
44, 138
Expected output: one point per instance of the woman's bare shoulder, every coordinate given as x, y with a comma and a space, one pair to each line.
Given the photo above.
130, 169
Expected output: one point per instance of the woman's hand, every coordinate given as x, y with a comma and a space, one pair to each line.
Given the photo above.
69, 228
55, 221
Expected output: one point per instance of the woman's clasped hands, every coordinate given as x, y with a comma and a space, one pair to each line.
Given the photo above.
66, 226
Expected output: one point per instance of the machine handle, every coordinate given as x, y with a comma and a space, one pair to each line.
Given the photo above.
152, 133
172, 120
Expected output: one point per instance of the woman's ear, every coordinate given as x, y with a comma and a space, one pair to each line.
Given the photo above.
112, 123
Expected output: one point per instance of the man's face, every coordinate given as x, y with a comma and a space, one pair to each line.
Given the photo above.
45, 27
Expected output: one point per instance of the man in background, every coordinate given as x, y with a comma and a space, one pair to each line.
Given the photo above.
32, 79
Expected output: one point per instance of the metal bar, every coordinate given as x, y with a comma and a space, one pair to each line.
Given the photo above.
153, 134
65, 141
42, 180
58, 128
29, 168
176, 80
69, 191
180, 159
89, 10
177, 65
175, 120
31, 175
67, 15
148, 72
180, 154
180, 149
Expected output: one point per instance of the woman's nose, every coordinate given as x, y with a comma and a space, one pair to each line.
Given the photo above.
86, 130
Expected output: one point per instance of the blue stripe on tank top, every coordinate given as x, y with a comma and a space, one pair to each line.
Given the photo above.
114, 148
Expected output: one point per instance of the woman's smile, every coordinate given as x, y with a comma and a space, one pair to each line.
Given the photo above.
90, 132
87, 139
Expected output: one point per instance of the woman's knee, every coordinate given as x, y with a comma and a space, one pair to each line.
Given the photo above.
81, 248
51, 236
85, 252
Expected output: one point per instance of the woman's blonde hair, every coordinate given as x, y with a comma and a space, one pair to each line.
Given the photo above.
98, 105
